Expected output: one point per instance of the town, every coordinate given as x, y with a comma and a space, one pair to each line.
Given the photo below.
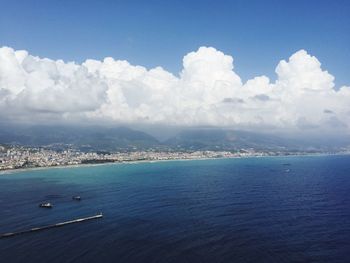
17, 157
20, 157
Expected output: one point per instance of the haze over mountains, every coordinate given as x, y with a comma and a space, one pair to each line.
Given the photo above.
110, 139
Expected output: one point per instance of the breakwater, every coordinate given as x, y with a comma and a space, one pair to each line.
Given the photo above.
35, 229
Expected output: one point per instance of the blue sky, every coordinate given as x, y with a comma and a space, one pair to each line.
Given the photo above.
258, 34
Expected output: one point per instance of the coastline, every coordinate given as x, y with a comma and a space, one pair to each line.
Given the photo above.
18, 170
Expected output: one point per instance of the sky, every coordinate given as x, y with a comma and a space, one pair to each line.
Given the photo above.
270, 64
258, 34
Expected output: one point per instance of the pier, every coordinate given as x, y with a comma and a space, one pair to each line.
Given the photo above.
35, 229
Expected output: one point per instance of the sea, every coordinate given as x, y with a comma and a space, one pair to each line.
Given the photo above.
268, 209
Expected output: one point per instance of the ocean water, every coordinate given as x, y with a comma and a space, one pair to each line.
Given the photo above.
281, 209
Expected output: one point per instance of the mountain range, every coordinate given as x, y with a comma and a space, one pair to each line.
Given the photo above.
109, 139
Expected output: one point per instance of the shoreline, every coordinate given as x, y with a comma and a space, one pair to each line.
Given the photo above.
18, 170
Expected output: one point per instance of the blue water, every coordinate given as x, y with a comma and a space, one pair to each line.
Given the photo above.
229, 210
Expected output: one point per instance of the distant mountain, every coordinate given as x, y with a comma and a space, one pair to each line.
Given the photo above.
213, 139
102, 139
85, 138
225, 139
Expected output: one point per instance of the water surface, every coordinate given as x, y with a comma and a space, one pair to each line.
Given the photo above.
283, 209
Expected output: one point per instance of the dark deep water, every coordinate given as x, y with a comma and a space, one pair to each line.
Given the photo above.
230, 210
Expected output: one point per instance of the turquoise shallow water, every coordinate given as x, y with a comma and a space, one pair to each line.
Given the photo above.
283, 209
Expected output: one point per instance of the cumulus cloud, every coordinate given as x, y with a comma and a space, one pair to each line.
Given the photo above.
206, 92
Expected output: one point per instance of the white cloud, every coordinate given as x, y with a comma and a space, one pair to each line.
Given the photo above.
207, 92
32, 86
